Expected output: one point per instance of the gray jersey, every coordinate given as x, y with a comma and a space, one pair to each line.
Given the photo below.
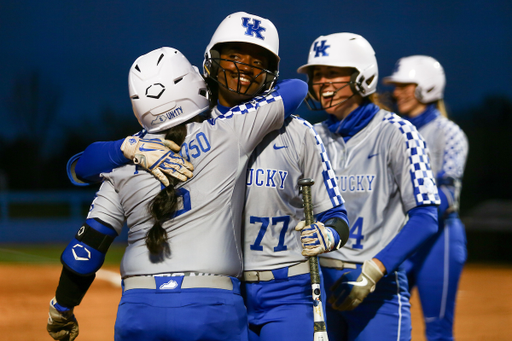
205, 234
448, 147
273, 203
383, 172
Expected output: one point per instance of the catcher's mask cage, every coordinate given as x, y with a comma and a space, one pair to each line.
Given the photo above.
245, 28
343, 50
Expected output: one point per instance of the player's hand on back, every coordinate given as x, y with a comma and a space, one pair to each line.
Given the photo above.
315, 238
353, 286
159, 157
62, 324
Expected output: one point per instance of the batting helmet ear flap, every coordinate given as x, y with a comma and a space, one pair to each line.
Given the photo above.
418, 93
211, 63
354, 86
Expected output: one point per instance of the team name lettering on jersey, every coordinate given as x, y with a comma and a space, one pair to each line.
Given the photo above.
356, 183
272, 178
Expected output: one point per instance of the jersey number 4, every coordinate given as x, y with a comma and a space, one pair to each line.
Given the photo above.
356, 232
265, 221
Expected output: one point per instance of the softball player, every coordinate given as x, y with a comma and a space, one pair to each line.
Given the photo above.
189, 289
276, 273
273, 250
436, 267
384, 174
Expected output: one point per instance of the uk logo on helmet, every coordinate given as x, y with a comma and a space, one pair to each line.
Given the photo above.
320, 49
253, 29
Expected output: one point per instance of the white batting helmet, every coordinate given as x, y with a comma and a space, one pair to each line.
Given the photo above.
424, 71
248, 28
347, 50
166, 90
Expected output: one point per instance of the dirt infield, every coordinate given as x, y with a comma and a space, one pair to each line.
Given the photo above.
484, 307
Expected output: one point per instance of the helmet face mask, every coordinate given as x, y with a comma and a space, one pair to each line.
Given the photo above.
314, 103
220, 69
239, 29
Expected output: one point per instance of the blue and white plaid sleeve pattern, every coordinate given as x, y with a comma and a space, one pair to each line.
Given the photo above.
455, 149
268, 97
425, 190
328, 173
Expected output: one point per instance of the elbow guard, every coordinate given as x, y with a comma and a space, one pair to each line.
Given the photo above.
86, 252
340, 226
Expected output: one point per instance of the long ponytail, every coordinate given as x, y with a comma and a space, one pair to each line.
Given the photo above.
164, 205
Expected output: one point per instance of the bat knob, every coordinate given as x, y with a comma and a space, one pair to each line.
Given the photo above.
306, 182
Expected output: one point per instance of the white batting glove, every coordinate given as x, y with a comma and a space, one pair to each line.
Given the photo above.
62, 324
353, 286
315, 238
158, 157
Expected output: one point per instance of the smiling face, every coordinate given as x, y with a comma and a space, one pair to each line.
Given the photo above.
241, 72
406, 101
331, 87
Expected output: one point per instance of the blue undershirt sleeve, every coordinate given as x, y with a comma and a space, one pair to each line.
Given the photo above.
421, 225
99, 157
335, 212
293, 92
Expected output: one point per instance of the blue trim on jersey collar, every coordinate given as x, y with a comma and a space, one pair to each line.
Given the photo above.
354, 122
430, 114
222, 108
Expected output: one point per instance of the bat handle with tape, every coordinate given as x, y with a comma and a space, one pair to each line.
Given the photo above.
320, 331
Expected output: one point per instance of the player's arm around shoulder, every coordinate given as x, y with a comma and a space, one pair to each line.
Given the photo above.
293, 92
251, 121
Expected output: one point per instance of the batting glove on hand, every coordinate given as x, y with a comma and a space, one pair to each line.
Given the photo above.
62, 324
315, 238
353, 286
158, 157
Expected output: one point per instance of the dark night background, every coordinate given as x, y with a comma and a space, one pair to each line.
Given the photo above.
65, 65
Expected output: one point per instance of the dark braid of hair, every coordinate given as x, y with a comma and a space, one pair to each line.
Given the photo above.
164, 205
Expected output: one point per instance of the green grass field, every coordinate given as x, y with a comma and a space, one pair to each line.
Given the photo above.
49, 254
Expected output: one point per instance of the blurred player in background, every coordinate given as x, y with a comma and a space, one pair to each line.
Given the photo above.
182, 261
419, 83
384, 175
276, 271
